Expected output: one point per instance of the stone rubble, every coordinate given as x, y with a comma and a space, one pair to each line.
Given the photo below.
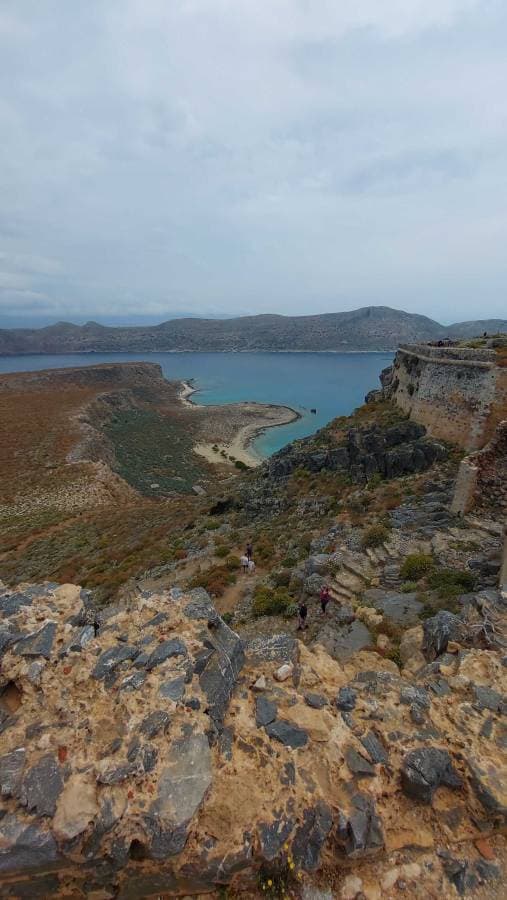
161, 756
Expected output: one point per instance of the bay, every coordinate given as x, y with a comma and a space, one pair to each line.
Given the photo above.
332, 383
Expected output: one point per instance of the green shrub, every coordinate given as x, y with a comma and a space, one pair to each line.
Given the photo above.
408, 587
291, 610
270, 602
374, 481
288, 562
241, 465
375, 536
451, 582
232, 563
282, 579
416, 566
227, 617
222, 551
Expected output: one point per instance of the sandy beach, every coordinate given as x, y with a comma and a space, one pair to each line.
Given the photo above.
221, 445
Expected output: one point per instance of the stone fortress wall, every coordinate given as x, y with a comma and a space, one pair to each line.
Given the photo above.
459, 394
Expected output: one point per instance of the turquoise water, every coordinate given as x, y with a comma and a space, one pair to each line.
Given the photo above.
332, 383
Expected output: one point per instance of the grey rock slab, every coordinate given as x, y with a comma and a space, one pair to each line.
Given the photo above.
174, 689
12, 603
415, 694
346, 699
154, 723
315, 701
265, 711
374, 748
357, 763
38, 644
424, 770
112, 658
344, 642
311, 836
133, 682
275, 648
487, 698
41, 786
24, 847
362, 832
184, 781
272, 836
118, 774
82, 638
9, 637
401, 609
165, 650
287, 733
222, 669
488, 782
11, 769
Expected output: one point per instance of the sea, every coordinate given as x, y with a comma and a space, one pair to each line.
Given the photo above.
333, 384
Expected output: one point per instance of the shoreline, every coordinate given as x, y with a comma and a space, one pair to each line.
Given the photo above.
240, 447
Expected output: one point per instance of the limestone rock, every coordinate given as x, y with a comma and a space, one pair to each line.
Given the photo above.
77, 807
283, 673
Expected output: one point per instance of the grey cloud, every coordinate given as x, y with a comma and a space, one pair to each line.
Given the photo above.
236, 156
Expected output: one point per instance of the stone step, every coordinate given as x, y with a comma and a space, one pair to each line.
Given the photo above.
372, 556
349, 582
359, 571
391, 550
493, 528
341, 595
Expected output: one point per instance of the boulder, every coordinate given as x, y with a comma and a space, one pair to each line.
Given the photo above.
424, 770
438, 631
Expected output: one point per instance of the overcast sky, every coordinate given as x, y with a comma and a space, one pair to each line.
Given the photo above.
238, 156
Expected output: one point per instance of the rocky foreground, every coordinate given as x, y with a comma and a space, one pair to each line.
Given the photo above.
147, 750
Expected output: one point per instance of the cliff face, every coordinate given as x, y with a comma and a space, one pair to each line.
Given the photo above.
459, 394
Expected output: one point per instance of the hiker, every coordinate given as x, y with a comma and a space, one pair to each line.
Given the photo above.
302, 613
249, 550
251, 567
325, 597
244, 563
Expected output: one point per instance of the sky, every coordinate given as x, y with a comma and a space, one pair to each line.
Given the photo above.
230, 157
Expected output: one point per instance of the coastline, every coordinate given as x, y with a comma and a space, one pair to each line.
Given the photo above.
240, 447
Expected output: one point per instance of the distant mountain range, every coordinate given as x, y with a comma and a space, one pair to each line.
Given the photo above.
369, 328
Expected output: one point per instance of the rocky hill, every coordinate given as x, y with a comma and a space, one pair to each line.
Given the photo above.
190, 739
369, 328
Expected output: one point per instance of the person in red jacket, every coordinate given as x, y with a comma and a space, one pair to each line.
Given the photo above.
325, 597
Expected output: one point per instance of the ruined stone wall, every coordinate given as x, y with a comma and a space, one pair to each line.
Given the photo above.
459, 394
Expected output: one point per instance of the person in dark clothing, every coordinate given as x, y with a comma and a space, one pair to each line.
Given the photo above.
249, 550
302, 612
325, 597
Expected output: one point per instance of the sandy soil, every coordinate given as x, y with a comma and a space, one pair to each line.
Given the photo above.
250, 419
